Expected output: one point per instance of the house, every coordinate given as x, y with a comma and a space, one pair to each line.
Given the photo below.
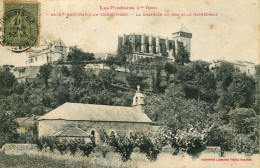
86, 120
47, 53
26, 124
243, 66
25, 73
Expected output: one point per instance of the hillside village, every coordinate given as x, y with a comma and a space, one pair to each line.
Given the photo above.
148, 85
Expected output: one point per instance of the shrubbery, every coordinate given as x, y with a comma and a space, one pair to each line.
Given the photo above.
62, 146
190, 141
87, 148
123, 145
149, 144
66, 145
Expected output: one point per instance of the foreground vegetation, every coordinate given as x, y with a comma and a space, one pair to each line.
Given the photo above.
95, 160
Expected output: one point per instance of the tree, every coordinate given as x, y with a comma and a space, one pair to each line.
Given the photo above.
7, 80
224, 73
257, 94
61, 146
134, 80
45, 73
122, 53
148, 143
156, 66
177, 112
216, 136
239, 94
78, 74
190, 141
65, 71
122, 144
183, 56
62, 95
244, 120
8, 127
107, 78
197, 81
242, 90
112, 61
76, 55
170, 68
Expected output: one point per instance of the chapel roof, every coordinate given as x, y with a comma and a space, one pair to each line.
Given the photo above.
94, 112
72, 132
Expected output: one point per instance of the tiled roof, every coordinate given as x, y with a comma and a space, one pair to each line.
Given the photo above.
58, 42
183, 28
26, 121
72, 132
94, 112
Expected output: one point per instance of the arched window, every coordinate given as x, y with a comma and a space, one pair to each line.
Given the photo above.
112, 133
130, 134
93, 133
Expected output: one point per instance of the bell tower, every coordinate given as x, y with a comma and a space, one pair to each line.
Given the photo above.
138, 100
182, 36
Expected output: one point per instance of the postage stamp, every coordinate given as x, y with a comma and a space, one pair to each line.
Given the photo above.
20, 25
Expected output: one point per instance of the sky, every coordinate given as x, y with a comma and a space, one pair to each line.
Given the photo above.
232, 35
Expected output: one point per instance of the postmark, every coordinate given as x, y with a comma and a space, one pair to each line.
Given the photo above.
20, 25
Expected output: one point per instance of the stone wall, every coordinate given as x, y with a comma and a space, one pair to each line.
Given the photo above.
49, 127
17, 149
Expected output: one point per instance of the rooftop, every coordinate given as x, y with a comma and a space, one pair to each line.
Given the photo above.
94, 112
72, 132
27, 121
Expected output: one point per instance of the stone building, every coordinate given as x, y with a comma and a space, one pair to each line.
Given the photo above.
26, 124
74, 120
150, 46
47, 53
25, 73
243, 66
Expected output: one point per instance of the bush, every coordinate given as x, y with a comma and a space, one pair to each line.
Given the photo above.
149, 144
3, 140
8, 126
104, 150
189, 141
46, 142
87, 148
27, 137
249, 144
38, 142
73, 146
123, 145
61, 146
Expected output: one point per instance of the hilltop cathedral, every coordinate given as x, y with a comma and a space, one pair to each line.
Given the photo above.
149, 46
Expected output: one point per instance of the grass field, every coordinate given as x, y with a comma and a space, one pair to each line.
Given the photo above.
112, 160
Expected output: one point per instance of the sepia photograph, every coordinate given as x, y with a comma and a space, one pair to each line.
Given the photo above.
129, 84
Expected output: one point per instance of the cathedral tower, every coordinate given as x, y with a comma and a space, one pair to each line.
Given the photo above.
182, 37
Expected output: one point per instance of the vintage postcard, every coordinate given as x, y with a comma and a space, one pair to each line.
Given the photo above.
129, 83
